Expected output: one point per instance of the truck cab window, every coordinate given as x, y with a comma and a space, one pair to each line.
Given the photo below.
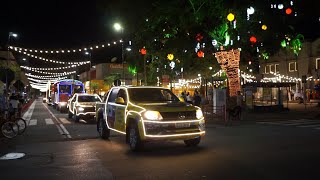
113, 95
122, 93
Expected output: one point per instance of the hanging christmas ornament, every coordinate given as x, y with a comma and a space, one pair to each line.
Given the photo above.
214, 42
253, 39
143, 51
264, 27
288, 11
170, 57
199, 37
230, 17
200, 54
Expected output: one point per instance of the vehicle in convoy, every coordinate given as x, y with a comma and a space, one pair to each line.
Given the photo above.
82, 106
62, 91
47, 99
149, 113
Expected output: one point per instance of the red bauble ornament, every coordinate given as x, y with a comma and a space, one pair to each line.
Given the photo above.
143, 51
288, 11
200, 54
199, 37
253, 39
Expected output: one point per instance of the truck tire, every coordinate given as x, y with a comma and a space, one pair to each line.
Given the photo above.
69, 114
192, 142
76, 118
104, 132
134, 141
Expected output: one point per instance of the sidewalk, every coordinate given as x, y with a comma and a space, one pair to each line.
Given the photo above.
296, 111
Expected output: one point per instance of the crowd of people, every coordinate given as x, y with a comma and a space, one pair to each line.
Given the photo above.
195, 99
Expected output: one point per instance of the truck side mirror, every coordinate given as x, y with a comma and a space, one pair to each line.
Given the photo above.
119, 100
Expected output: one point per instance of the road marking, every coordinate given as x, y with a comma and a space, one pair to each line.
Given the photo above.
65, 132
62, 130
301, 123
49, 121
312, 125
32, 122
64, 121
288, 122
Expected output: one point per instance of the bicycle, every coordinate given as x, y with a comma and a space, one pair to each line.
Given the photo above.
9, 129
15, 117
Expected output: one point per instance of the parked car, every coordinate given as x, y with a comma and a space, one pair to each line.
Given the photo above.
82, 106
147, 114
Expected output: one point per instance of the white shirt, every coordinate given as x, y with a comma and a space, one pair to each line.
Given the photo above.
14, 103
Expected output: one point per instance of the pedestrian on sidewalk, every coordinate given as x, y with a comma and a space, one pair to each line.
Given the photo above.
196, 98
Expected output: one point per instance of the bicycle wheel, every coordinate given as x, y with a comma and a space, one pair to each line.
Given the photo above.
9, 129
22, 125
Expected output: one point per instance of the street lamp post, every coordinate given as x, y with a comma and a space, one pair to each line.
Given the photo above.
118, 27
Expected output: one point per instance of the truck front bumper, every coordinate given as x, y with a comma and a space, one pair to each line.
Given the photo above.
173, 130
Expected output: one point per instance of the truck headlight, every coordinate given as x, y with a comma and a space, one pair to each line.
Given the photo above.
152, 115
80, 109
199, 114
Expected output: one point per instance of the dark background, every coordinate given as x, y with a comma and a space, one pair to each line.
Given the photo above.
62, 24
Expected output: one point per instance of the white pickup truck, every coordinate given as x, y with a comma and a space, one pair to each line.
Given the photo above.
149, 113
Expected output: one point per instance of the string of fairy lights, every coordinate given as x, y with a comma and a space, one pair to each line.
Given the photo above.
54, 61
61, 51
36, 81
45, 80
44, 77
53, 69
53, 73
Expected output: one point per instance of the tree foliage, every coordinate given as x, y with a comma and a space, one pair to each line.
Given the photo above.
172, 26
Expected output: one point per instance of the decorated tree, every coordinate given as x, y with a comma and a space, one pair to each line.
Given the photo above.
195, 32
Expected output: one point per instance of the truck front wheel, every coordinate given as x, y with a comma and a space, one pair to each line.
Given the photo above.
135, 142
104, 132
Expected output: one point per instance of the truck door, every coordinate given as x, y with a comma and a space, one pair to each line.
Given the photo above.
111, 107
120, 112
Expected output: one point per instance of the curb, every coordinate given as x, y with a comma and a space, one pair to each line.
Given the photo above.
25, 107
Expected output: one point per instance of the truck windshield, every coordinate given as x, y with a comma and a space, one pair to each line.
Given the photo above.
151, 95
89, 99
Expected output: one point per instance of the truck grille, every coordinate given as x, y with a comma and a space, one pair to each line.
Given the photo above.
184, 115
89, 109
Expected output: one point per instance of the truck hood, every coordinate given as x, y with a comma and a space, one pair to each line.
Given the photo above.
168, 106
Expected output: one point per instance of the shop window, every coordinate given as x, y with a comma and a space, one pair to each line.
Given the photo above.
267, 69
292, 66
276, 68
318, 63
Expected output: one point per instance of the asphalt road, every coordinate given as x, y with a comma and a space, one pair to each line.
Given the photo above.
56, 147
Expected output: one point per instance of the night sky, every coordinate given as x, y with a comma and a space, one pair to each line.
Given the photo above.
58, 24
73, 24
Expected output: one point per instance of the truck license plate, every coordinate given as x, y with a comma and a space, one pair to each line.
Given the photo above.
182, 125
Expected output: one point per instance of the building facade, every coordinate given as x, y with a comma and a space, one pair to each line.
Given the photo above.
286, 66
94, 79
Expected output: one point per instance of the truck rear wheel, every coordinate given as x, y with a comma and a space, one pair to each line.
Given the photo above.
192, 142
135, 142
104, 132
